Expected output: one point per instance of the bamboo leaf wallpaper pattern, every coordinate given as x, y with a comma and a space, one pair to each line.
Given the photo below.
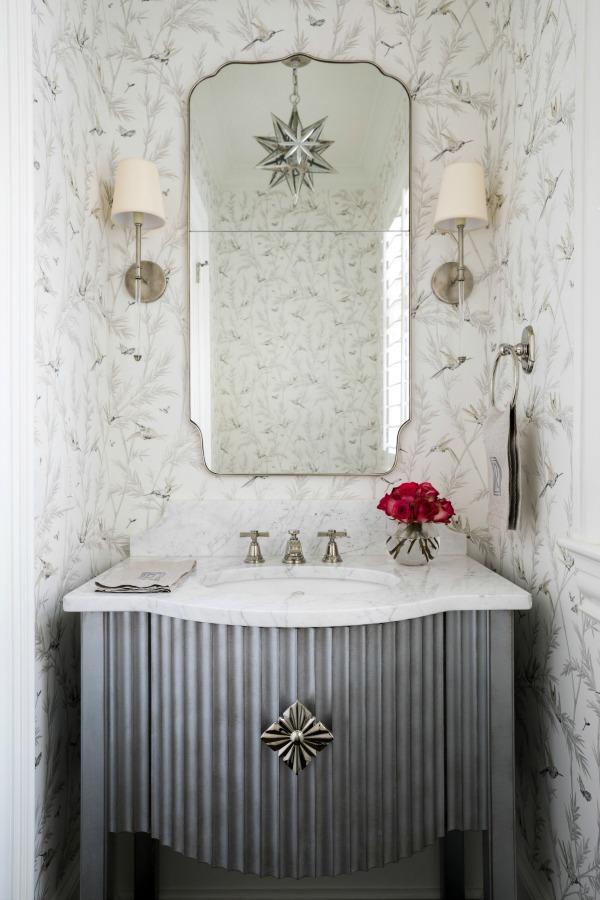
296, 365
492, 80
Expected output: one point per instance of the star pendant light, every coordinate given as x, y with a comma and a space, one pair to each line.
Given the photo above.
294, 152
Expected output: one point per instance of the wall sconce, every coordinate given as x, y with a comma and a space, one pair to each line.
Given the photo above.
461, 207
138, 201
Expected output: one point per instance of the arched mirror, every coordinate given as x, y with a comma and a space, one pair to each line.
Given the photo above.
299, 174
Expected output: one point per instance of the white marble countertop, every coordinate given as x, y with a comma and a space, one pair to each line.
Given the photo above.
314, 595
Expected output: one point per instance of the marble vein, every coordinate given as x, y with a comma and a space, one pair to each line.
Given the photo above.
372, 589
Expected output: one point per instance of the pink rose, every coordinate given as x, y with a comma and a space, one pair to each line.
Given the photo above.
427, 491
407, 491
402, 511
396, 508
412, 502
425, 510
386, 503
444, 513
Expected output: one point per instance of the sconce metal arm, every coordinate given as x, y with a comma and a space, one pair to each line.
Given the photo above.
144, 276
446, 278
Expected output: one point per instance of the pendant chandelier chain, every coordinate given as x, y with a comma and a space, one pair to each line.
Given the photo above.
295, 96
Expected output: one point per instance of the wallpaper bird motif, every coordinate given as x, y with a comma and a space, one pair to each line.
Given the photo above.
296, 332
492, 80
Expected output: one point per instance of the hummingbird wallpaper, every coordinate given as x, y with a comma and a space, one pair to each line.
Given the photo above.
489, 80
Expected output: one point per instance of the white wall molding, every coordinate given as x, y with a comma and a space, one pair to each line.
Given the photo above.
586, 472
16, 456
587, 565
584, 542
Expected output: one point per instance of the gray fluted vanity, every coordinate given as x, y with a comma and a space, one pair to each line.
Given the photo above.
409, 668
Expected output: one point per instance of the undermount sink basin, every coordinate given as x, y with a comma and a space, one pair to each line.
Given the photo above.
297, 580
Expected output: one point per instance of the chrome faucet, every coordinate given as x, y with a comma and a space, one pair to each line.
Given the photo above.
332, 554
254, 555
293, 554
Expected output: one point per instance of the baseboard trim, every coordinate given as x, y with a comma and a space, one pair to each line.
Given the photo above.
69, 887
534, 883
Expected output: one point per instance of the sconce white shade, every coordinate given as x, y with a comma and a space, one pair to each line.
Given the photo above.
462, 196
137, 190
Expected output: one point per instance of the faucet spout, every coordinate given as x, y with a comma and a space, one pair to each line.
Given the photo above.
294, 555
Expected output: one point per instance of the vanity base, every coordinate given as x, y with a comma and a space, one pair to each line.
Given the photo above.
476, 742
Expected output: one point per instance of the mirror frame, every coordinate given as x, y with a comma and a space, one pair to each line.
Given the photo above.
249, 475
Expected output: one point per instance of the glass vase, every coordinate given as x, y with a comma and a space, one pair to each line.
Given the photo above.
414, 545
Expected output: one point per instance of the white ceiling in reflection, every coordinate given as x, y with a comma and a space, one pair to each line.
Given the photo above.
360, 106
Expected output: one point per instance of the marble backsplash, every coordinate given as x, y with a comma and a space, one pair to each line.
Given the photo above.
211, 528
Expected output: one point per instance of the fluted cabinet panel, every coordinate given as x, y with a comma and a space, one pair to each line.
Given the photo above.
405, 701
466, 729
128, 721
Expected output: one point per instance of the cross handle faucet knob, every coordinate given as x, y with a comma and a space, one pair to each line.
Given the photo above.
332, 553
254, 555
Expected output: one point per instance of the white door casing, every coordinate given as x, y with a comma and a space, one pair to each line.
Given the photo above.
584, 542
16, 456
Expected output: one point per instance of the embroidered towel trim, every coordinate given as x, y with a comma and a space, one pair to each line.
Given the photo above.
145, 576
503, 465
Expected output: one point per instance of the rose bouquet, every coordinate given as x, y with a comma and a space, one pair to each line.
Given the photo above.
418, 508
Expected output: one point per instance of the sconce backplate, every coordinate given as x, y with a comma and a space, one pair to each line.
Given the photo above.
444, 283
154, 281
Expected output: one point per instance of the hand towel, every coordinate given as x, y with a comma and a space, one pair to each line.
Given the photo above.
504, 473
145, 576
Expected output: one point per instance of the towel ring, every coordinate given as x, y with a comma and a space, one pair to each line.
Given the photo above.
505, 350
523, 353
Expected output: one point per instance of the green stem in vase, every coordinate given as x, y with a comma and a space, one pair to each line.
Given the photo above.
426, 544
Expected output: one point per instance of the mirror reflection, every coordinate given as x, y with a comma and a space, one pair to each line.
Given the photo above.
299, 267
